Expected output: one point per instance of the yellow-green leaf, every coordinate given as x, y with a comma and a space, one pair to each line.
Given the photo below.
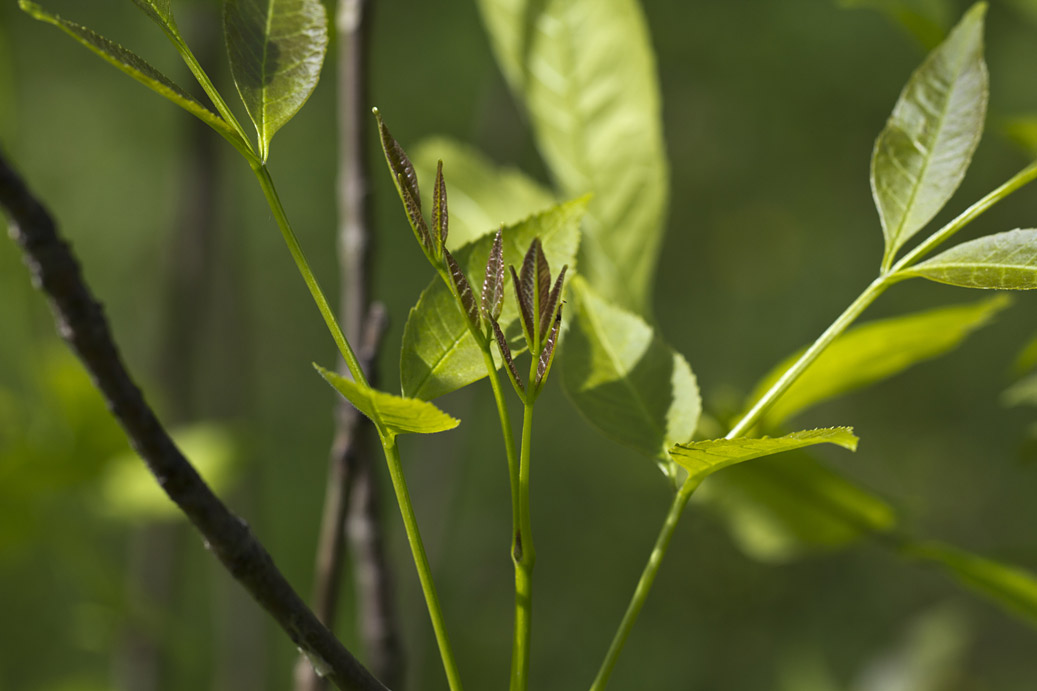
1003, 261
399, 415
873, 352
703, 458
922, 154
276, 50
133, 65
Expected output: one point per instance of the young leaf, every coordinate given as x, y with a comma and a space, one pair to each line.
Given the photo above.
875, 351
586, 73
703, 458
785, 506
921, 156
440, 217
505, 352
406, 181
399, 415
493, 282
547, 355
439, 354
161, 13
464, 290
548, 306
129, 63
524, 298
1013, 588
276, 49
625, 380
483, 195
1003, 261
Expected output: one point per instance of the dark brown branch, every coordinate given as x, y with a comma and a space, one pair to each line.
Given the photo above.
80, 321
351, 507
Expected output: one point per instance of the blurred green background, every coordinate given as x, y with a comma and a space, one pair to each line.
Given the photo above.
770, 112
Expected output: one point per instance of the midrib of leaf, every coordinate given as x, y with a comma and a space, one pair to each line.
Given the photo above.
607, 347
439, 361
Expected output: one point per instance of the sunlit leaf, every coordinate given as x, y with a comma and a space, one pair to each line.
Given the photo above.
161, 13
399, 415
439, 354
1011, 587
586, 73
875, 351
625, 380
1004, 261
129, 491
405, 179
921, 156
786, 506
131, 64
483, 195
703, 458
276, 49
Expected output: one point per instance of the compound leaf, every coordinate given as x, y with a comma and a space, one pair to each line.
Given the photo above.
703, 458
921, 156
439, 353
398, 414
625, 380
276, 49
1004, 261
133, 65
873, 352
483, 195
586, 73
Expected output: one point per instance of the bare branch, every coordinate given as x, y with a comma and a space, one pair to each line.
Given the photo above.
81, 322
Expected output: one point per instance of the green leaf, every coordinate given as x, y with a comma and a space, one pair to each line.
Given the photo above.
439, 353
483, 195
399, 415
161, 13
405, 179
875, 351
1022, 392
1003, 261
703, 458
1011, 587
921, 156
625, 380
131, 64
276, 49
128, 491
586, 73
492, 297
783, 507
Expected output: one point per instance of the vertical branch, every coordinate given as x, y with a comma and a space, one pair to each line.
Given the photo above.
351, 509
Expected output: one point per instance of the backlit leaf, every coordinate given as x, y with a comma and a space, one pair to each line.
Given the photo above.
875, 351
703, 458
586, 73
439, 354
783, 507
483, 195
131, 64
276, 49
1004, 261
1011, 587
921, 156
625, 380
161, 13
399, 415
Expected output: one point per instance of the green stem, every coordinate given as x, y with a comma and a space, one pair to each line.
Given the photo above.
644, 585
307, 274
509, 437
410, 524
524, 557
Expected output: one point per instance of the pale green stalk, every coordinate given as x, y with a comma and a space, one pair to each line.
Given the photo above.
392, 454
524, 557
755, 414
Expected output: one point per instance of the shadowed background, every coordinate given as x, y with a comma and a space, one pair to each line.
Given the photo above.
770, 112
